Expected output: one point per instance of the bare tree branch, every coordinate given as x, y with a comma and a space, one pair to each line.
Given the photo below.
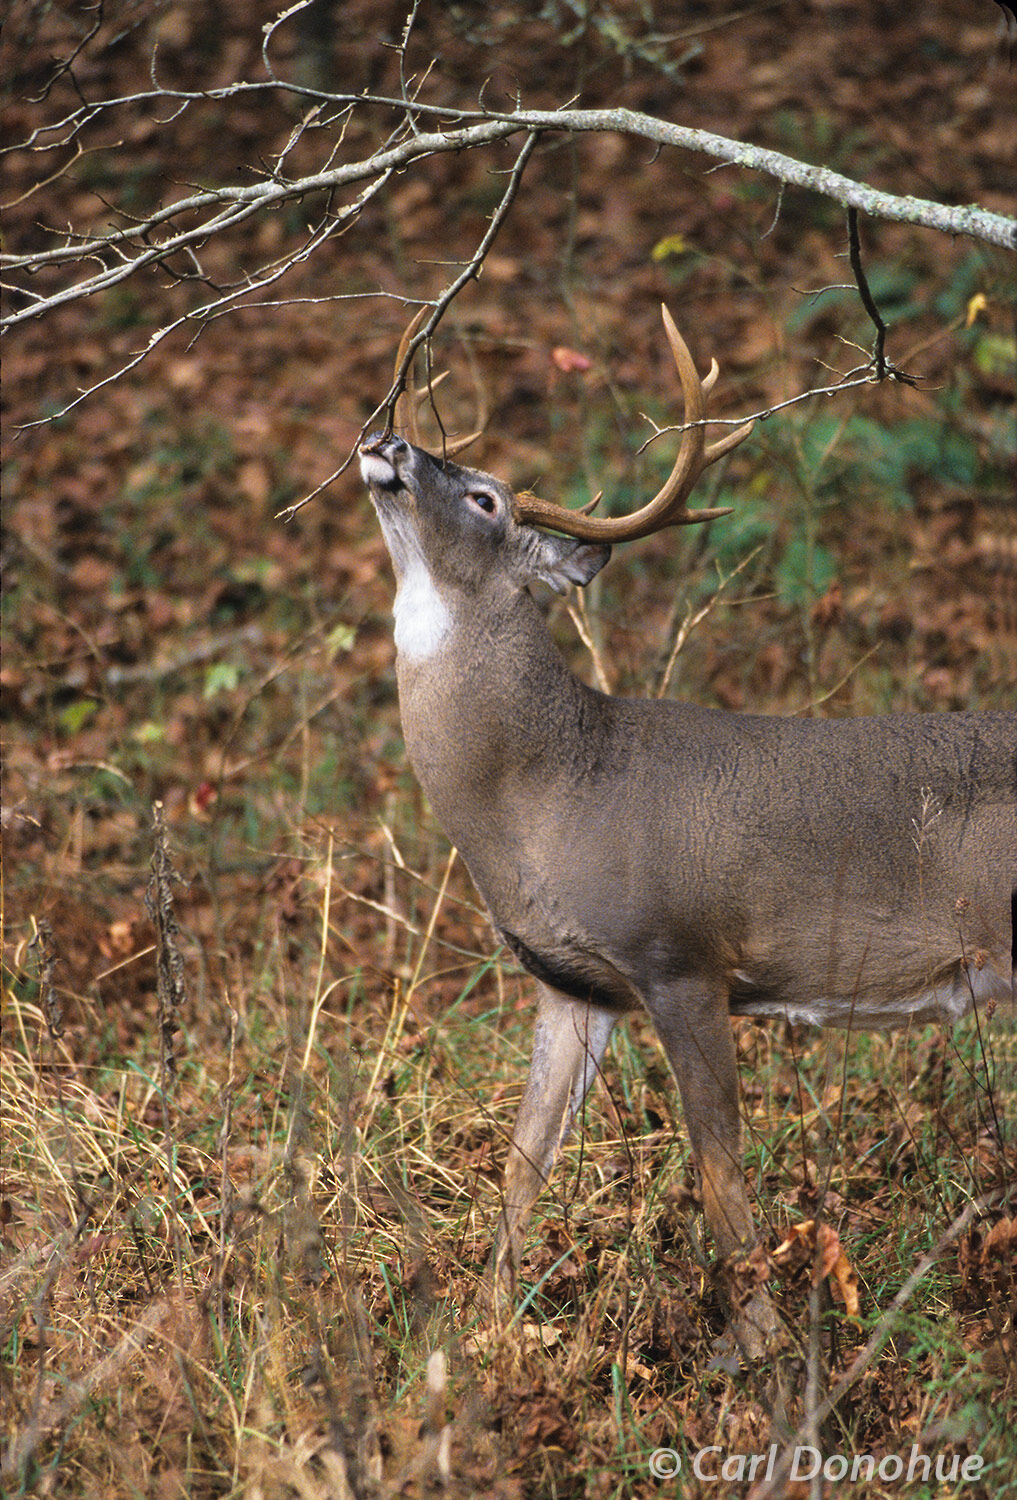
67, 264
468, 273
224, 208
216, 307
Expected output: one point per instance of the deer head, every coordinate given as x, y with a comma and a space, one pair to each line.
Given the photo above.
505, 540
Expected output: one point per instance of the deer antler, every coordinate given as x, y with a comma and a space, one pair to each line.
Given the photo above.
668, 507
410, 397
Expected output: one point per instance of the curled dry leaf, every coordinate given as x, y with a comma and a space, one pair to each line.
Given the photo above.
987, 1260
798, 1248
569, 360
820, 1245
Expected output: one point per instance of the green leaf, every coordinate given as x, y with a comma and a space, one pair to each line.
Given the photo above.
805, 571
74, 716
671, 244
339, 640
149, 733
996, 354
221, 677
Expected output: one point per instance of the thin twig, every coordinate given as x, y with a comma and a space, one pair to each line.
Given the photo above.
865, 292
577, 614
441, 305
690, 621
170, 984
171, 990
469, 273
43, 944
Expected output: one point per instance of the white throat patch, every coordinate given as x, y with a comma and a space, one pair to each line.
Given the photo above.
421, 618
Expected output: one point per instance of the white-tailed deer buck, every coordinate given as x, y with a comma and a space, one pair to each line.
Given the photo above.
697, 863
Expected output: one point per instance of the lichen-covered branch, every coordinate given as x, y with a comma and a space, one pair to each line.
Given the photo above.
181, 226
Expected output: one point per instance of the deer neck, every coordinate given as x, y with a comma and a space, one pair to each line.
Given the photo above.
478, 742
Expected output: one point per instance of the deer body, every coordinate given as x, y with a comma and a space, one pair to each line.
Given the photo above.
695, 862
681, 842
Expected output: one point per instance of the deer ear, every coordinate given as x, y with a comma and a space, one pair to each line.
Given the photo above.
564, 560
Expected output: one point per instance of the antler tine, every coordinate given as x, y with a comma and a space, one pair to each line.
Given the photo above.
404, 412
668, 507
411, 396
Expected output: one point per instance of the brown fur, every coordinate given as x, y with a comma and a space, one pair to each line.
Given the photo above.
699, 863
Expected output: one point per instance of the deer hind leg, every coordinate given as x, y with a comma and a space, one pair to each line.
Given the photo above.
694, 1026
569, 1042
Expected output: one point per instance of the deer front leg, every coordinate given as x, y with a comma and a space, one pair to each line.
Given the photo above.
569, 1041
694, 1026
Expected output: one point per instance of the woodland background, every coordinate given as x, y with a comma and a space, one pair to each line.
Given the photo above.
243, 1204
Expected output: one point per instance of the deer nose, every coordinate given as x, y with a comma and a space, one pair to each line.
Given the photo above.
384, 443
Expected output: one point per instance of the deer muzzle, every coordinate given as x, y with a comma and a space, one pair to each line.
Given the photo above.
380, 459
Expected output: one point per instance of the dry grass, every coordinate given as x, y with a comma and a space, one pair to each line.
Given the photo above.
256, 1273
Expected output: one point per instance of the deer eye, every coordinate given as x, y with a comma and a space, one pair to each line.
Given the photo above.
483, 501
